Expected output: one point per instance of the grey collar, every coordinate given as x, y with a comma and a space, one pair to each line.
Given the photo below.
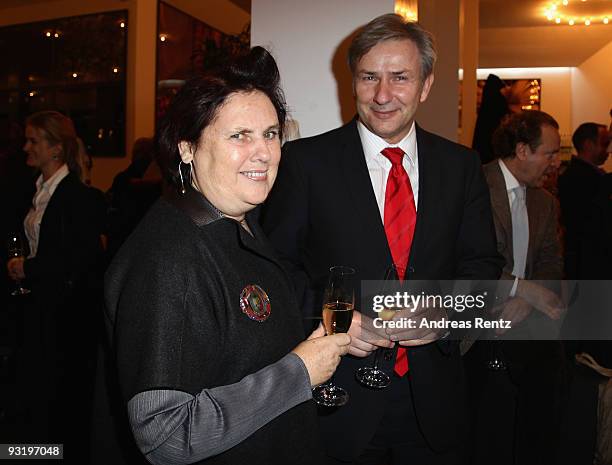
195, 206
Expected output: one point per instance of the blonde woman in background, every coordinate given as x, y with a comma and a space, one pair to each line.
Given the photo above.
61, 269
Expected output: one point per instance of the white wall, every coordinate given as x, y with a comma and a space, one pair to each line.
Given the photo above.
592, 91
592, 88
309, 40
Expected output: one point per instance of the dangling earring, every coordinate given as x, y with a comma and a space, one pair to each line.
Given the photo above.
181, 176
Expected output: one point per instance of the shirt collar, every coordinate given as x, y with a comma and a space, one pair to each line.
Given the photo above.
373, 144
54, 180
511, 182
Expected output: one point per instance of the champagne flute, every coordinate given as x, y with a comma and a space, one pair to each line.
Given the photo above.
15, 249
338, 304
372, 376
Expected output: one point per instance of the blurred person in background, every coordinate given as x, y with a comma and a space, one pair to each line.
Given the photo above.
578, 186
493, 109
61, 268
132, 193
586, 203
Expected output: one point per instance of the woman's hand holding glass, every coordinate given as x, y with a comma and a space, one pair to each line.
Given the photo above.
337, 313
321, 354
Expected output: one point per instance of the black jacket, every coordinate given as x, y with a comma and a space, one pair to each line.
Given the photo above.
578, 189
173, 307
69, 246
322, 212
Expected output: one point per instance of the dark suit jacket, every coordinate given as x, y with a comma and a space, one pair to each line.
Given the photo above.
322, 212
578, 189
596, 250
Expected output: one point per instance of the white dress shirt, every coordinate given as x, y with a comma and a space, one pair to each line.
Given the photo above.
44, 191
519, 246
379, 166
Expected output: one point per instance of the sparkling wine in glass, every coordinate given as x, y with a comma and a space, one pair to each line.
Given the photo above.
15, 249
372, 376
338, 305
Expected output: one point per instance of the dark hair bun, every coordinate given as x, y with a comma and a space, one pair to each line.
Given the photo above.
257, 66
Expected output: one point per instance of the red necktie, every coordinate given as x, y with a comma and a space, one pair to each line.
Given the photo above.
400, 218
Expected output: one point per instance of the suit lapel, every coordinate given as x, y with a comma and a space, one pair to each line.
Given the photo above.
428, 185
352, 163
501, 209
54, 211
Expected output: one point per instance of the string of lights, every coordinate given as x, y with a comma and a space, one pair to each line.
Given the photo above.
578, 12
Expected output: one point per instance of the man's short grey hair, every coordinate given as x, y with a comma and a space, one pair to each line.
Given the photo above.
393, 27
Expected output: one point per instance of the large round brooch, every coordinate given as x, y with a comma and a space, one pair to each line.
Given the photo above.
255, 303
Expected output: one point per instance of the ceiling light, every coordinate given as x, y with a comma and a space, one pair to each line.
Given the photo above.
571, 22
558, 20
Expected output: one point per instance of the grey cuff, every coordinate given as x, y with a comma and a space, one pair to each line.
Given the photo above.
175, 427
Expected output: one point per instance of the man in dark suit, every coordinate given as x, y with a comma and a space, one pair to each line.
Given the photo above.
579, 185
517, 406
376, 191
